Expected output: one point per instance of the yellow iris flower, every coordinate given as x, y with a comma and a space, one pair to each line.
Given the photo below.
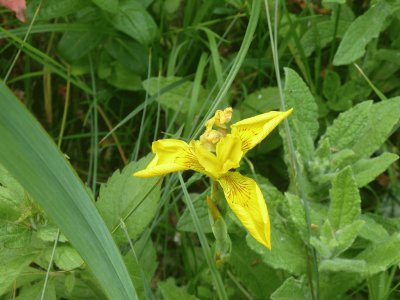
216, 155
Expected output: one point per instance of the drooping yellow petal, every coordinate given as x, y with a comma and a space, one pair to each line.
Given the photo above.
253, 130
171, 155
247, 202
207, 160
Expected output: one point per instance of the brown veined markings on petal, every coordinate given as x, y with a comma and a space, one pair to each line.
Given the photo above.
237, 188
188, 160
246, 134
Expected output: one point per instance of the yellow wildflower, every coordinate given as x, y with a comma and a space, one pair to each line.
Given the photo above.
217, 154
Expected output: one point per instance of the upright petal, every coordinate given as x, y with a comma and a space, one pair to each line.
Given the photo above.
171, 155
247, 202
253, 130
229, 152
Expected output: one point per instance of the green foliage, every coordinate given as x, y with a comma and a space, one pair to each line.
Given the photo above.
105, 78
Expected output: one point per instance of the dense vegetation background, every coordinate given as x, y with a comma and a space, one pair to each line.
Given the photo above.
105, 78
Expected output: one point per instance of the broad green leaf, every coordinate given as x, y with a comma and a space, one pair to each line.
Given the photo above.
75, 45
372, 231
170, 291
129, 53
49, 179
66, 258
299, 97
287, 253
107, 5
347, 127
334, 1
367, 169
142, 270
185, 222
361, 32
35, 291
326, 31
49, 234
177, 99
51, 9
383, 119
133, 19
343, 265
297, 214
260, 101
331, 85
123, 78
379, 257
345, 204
292, 289
251, 271
12, 263
130, 199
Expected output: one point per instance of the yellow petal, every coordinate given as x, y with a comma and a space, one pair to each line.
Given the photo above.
171, 155
228, 156
229, 152
207, 160
247, 202
253, 130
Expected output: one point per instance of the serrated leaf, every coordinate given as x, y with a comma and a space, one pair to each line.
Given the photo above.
185, 222
345, 204
133, 19
107, 5
12, 263
346, 128
131, 199
292, 289
170, 291
251, 271
361, 32
299, 97
343, 265
383, 119
366, 170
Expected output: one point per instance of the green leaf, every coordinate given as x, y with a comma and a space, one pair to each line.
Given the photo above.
347, 127
326, 29
299, 97
381, 256
131, 199
292, 289
343, 238
372, 231
176, 99
297, 215
49, 179
51, 9
345, 204
133, 19
331, 85
251, 271
383, 118
108, 5
66, 258
75, 45
287, 253
367, 169
35, 291
185, 222
13, 262
259, 102
170, 291
343, 265
361, 32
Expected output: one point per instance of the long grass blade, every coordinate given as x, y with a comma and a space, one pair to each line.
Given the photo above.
30, 155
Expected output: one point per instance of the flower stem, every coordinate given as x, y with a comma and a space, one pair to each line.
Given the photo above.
203, 241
